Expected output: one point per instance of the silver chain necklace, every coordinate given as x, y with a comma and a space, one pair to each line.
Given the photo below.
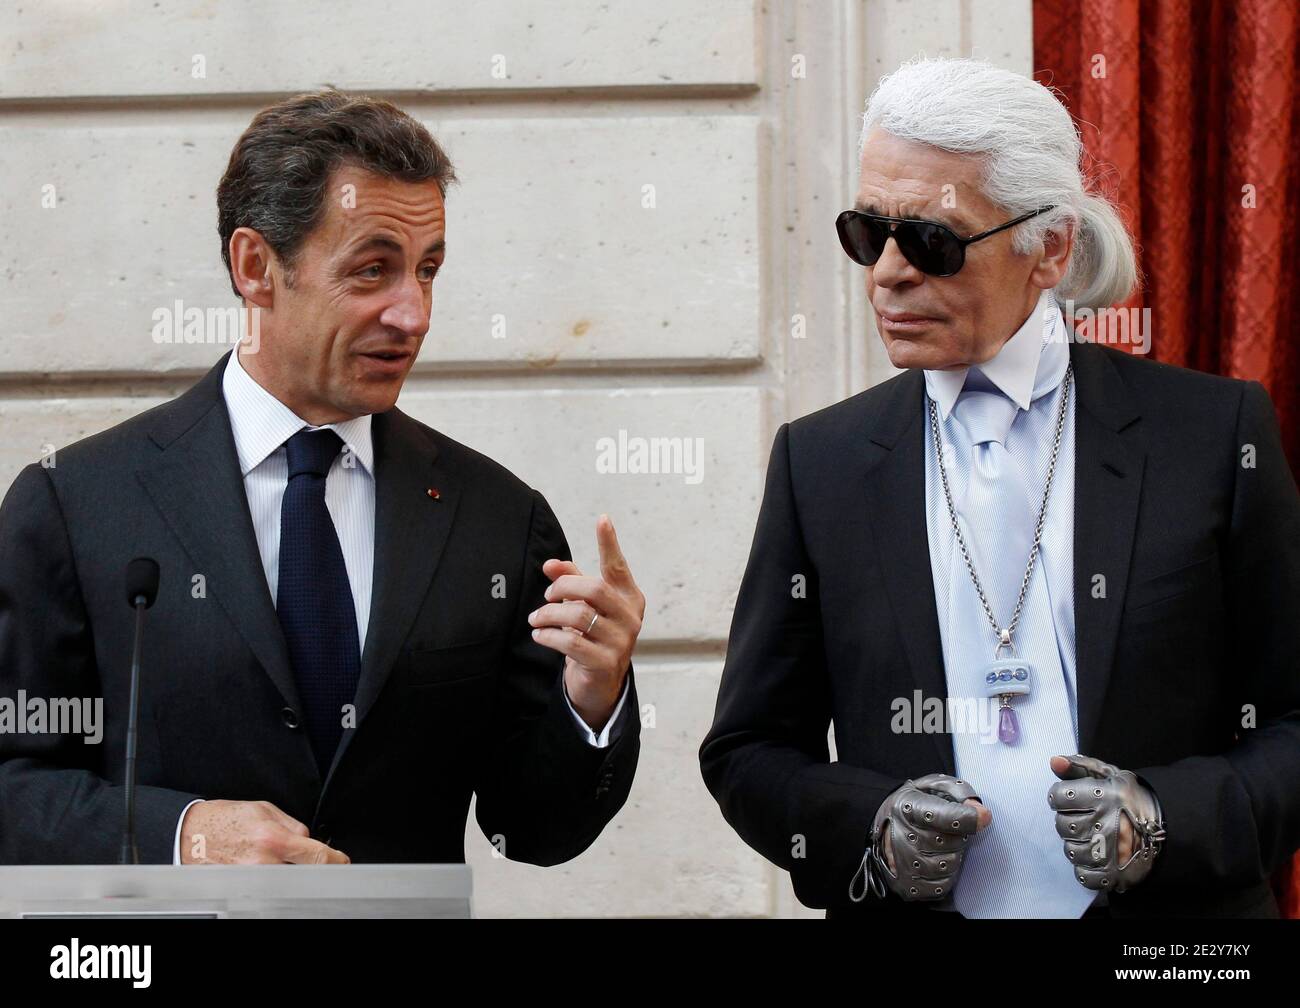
1042, 511
1004, 679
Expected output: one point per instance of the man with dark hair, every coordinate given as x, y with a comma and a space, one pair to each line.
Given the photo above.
374, 638
280, 169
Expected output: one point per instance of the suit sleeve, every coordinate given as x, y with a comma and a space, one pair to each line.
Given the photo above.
766, 759
55, 807
544, 793
1234, 818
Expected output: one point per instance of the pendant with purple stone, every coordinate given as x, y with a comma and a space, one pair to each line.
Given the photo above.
1008, 729
1005, 678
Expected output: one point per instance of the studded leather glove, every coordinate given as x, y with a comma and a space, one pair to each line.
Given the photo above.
929, 827
1089, 801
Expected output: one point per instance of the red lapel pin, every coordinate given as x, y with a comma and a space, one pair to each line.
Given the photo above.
433, 493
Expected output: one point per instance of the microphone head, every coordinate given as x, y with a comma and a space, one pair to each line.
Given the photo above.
141, 580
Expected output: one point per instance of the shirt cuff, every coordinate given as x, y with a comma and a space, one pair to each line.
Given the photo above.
601, 741
176, 847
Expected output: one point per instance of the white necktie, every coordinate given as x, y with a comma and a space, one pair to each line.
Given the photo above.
1016, 867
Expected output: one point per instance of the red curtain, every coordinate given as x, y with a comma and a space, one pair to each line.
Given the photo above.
1190, 114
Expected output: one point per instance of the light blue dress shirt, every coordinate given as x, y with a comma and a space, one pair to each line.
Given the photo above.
1028, 369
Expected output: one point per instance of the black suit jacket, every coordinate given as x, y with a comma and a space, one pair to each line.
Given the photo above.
454, 697
1201, 617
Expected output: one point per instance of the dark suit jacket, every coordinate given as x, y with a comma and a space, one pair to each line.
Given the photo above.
1201, 617
454, 696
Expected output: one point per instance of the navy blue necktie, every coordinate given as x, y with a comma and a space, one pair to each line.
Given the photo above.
314, 597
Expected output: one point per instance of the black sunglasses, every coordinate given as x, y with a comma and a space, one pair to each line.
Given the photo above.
931, 248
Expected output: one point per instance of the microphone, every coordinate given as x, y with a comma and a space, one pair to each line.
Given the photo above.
141, 590
141, 581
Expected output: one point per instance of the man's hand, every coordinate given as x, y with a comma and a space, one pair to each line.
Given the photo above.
597, 654
985, 820
1110, 822
239, 832
919, 836
1061, 767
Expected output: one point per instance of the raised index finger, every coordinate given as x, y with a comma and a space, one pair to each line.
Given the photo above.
613, 565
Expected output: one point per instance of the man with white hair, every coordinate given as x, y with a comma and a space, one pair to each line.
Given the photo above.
1044, 590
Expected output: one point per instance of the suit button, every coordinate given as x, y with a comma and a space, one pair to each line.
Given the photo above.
290, 717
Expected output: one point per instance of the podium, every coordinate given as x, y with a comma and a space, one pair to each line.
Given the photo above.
240, 891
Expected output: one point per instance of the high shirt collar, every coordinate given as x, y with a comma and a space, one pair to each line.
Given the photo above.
1029, 365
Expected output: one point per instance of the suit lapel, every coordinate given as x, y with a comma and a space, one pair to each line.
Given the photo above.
896, 496
1108, 469
197, 488
411, 530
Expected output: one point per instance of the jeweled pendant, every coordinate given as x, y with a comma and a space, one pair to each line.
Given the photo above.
1005, 679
